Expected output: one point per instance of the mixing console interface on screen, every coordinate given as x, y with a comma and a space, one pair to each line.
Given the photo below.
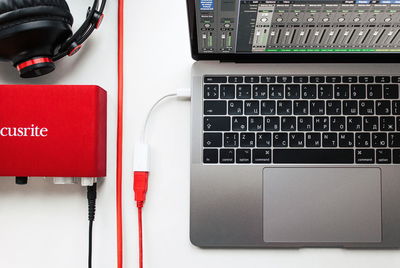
242, 26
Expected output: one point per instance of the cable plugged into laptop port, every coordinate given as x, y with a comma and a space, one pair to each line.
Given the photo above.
141, 170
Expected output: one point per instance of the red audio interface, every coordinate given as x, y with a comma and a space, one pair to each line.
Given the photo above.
53, 131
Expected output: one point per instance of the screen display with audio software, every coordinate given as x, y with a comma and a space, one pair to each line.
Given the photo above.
243, 26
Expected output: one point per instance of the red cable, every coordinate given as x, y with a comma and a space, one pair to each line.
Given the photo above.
140, 237
120, 130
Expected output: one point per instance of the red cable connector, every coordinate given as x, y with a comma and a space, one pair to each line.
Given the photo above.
140, 186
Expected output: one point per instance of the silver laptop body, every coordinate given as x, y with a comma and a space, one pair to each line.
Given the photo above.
260, 184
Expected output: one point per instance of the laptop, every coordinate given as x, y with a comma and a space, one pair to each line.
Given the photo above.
295, 123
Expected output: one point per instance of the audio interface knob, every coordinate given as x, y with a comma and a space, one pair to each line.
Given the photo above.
207, 25
372, 19
325, 19
295, 19
310, 19
341, 19
357, 19
264, 19
279, 19
227, 25
388, 19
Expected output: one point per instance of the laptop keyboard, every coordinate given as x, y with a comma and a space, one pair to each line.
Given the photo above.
301, 120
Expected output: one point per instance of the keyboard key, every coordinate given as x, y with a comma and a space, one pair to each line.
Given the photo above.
296, 139
371, 123
367, 108
321, 123
276, 91
284, 107
292, 91
252, 79
217, 124
247, 140
212, 140
256, 123
268, 107
243, 91
231, 140
215, 107
338, 123
262, 156
263, 139
383, 156
272, 123
333, 108
313, 139
236, 79
243, 156
284, 79
215, 79
366, 79
379, 140
268, 79
235, 107
366, 156
304, 123
396, 156
383, 107
309, 91
227, 92
317, 79
329, 139
382, 79
346, 139
317, 107
354, 123
342, 91
396, 107
391, 91
239, 123
350, 107
363, 140
396, 79
211, 91
252, 108
288, 123
300, 79
374, 91
325, 91
210, 156
260, 91
394, 140
349, 79
358, 92
333, 79
227, 156
313, 156
280, 139
387, 123
300, 107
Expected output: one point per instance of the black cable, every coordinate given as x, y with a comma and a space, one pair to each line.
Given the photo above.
91, 197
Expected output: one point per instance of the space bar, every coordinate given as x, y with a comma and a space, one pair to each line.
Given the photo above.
313, 156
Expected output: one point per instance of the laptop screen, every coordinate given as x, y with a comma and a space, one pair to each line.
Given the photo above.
297, 26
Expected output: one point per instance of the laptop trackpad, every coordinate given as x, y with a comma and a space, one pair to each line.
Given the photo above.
322, 205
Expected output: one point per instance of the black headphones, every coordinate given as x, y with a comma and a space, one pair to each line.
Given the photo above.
35, 33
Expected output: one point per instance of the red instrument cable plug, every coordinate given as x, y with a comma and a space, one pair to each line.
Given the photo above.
140, 186
141, 173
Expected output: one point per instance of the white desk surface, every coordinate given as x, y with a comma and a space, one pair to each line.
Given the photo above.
45, 225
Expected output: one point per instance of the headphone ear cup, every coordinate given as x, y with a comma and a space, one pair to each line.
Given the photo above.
31, 32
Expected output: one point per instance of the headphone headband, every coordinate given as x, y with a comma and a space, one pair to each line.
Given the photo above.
93, 20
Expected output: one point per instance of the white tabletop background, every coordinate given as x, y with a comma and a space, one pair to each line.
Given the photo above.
44, 225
